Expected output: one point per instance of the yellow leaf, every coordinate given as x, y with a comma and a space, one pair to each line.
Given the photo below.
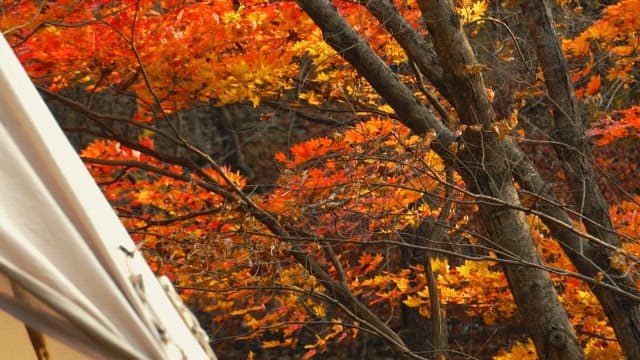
402, 284
85, 79
145, 196
413, 301
319, 310
311, 97
322, 77
519, 351
386, 108
472, 10
474, 69
269, 344
501, 128
255, 100
439, 265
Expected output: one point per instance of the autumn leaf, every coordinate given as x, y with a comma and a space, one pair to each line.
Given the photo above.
309, 354
470, 10
593, 87
627, 123
519, 351
413, 301
402, 284
501, 128
370, 263
268, 344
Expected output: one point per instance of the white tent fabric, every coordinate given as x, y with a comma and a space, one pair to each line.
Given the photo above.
68, 268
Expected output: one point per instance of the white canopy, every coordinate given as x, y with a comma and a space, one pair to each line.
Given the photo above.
68, 268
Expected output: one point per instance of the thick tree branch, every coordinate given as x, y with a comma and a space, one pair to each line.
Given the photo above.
572, 145
483, 164
348, 43
584, 251
418, 50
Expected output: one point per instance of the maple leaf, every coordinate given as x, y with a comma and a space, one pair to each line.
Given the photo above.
370, 263
594, 85
440, 265
413, 301
471, 11
402, 284
520, 351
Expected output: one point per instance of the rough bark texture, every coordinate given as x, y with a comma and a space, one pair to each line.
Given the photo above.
572, 147
348, 43
418, 51
482, 164
588, 258
486, 171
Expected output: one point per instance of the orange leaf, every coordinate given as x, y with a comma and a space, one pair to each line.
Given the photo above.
269, 344
594, 85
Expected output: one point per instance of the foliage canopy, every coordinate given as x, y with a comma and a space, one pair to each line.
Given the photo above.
367, 220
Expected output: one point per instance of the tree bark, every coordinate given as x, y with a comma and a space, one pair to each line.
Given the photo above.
573, 148
418, 50
589, 259
488, 175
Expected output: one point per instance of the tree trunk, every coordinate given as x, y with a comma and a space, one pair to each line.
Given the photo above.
532, 288
589, 258
572, 147
486, 171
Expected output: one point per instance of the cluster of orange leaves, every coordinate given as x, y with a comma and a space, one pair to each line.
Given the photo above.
610, 51
616, 35
348, 202
189, 51
621, 124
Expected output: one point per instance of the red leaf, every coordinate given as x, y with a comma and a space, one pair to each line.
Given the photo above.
309, 354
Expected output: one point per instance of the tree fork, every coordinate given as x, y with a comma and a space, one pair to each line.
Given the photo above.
490, 174
534, 292
587, 257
